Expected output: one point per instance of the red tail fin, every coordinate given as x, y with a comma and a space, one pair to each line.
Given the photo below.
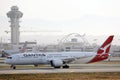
103, 51
106, 46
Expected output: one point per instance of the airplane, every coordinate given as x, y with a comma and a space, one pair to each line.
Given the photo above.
60, 59
6, 53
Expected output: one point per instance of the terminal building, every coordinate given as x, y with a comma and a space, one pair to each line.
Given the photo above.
70, 42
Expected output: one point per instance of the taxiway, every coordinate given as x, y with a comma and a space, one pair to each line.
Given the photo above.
73, 68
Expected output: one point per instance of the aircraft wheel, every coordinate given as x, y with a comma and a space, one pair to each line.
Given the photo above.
14, 67
66, 66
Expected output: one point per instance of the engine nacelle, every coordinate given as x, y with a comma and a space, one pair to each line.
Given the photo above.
56, 63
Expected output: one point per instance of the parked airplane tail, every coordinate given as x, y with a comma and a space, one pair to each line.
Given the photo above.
24, 47
103, 51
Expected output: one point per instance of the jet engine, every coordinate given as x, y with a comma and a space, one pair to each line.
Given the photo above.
56, 63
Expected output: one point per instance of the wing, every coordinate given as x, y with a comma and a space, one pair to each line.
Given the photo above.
69, 60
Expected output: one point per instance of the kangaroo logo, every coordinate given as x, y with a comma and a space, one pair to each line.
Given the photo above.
104, 49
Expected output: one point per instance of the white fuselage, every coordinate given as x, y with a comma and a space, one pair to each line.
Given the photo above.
45, 58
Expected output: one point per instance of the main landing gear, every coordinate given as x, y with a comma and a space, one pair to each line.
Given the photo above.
36, 65
65, 66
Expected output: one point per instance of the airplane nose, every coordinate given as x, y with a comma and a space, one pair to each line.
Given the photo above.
7, 61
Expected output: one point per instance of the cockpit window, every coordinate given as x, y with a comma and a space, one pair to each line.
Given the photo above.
9, 57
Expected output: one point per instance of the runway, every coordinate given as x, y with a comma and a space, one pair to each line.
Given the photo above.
73, 68
35, 71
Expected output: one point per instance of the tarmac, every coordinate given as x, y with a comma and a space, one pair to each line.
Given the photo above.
73, 68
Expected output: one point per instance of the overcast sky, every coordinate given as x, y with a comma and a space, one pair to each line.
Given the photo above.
92, 17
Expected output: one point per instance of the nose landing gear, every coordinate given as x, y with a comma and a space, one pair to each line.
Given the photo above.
13, 66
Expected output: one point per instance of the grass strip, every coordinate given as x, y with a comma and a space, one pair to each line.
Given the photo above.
63, 76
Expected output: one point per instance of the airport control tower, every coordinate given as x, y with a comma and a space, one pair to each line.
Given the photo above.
14, 16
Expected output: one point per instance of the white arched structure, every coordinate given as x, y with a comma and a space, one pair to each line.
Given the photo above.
74, 42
